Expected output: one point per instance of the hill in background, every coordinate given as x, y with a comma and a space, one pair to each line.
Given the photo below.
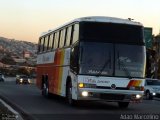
16, 48
15, 52
17, 57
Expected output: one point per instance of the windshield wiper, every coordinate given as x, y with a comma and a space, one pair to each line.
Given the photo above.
104, 66
124, 67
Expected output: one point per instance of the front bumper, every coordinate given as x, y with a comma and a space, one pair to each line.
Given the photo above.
110, 95
155, 94
24, 82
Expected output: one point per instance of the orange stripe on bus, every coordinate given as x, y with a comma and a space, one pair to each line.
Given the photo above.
130, 83
58, 71
134, 83
57, 58
61, 71
138, 82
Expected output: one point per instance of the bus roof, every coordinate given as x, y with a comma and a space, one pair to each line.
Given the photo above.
97, 19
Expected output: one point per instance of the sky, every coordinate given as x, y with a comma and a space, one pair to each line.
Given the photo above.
27, 19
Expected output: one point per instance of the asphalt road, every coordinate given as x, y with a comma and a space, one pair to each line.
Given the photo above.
28, 101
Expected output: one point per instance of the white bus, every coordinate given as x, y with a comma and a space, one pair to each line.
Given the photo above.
93, 58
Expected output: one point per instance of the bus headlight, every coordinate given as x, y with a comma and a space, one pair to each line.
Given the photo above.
154, 94
138, 96
29, 81
21, 80
85, 93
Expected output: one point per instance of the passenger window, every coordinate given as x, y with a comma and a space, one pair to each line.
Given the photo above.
65, 37
39, 45
59, 38
71, 39
46, 43
50, 41
56, 40
61, 44
42, 45
75, 33
53, 40
68, 36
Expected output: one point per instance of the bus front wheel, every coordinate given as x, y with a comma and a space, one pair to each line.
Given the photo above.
149, 96
69, 94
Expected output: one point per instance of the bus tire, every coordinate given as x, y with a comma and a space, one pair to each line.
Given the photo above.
123, 104
148, 95
69, 99
45, 90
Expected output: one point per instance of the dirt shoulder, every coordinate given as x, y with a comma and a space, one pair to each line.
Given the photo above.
5, 113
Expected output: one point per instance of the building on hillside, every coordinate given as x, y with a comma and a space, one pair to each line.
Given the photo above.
1, 47
20, 60
26, 54
1, 64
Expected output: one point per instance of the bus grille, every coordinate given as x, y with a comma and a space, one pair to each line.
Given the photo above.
112, 97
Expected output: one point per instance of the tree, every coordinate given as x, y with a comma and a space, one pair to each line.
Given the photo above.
7, 59
23, 70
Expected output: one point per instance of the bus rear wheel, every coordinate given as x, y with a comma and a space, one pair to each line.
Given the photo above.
123, 104
45, 92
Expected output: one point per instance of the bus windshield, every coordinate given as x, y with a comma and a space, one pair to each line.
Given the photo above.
108, 59
94, 56
129, 60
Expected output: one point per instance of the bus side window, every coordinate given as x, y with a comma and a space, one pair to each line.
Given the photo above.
39, 45
68, 36
56, 40
61, 43
59, 38
46, 43
53, 40
48, 48
71, 39
50, 42
42, 45
65, 37
75, 33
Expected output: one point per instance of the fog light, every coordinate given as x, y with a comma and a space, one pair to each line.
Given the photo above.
138, 96
85, 93
153, 93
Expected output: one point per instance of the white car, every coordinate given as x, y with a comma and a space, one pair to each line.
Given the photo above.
152, 88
